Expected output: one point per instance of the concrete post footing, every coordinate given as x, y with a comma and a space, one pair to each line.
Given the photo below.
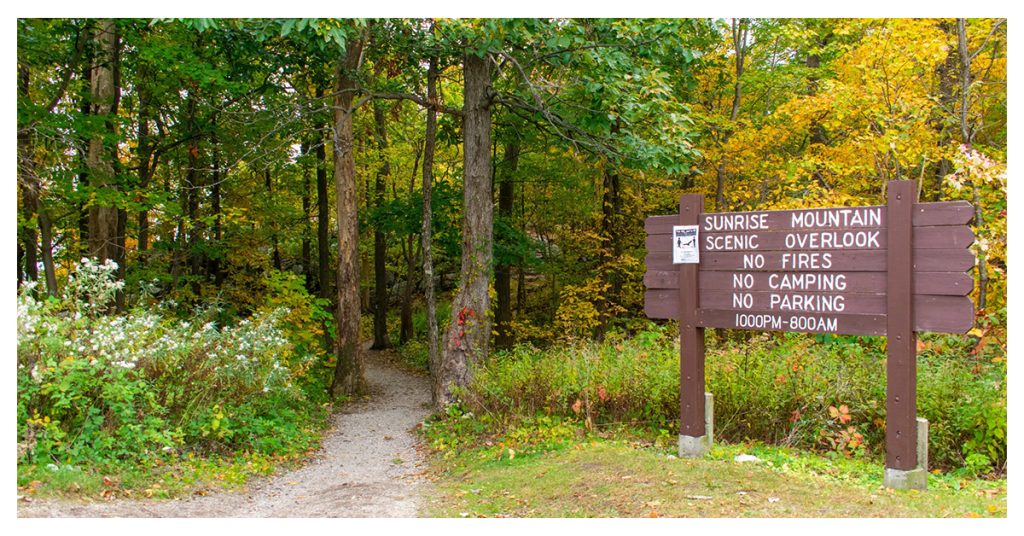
916, 478
695, 447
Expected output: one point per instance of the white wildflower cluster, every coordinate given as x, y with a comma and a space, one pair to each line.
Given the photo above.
251, 357
93, 286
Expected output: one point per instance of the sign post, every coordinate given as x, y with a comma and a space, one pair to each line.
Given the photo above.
888, 270
693, 437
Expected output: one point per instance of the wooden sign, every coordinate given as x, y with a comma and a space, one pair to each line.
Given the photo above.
887, 270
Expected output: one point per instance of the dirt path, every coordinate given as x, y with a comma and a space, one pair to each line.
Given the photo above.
368, 466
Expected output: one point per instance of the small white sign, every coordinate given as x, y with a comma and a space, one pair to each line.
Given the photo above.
684, 245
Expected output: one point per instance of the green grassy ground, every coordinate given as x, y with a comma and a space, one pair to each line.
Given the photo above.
615, 478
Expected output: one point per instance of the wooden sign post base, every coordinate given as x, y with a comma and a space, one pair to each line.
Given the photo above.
916, 478
695, 447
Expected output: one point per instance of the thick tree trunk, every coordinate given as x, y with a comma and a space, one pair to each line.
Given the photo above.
348, 372
380, 247
468, 335
103, 217
503, 271
429, 141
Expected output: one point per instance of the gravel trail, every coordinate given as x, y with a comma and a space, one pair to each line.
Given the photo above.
368, 466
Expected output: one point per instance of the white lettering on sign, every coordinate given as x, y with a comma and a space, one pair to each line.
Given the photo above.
843, 217
807, 281
805, 261
753, 261
736, 222
730, 242
742, 280
833, 240
794, 323
810, 303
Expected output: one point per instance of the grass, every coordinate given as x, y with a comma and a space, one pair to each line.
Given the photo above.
596, 477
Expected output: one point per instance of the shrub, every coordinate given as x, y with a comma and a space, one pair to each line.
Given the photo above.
824, 393
103, 388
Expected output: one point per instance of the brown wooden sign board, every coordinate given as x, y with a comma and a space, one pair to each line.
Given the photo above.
887, 270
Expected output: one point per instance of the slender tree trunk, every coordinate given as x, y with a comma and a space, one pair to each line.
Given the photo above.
739, 37
947, 74
103, 216
967, 134
322, 213
468, 334
380, 247
275, 257
429, 140
216, 267
145, 155
503, 270
29, 186
21, 260
307, 229
348, 372
191, 195
32, 197
405, 332
82, 154
611, 235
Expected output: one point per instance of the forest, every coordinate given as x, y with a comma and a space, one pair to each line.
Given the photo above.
220, 219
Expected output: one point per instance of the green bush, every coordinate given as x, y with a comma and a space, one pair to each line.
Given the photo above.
98, 388
822, 393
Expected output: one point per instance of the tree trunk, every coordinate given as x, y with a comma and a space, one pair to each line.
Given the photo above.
947, 74
967, 134
739, 38
145, 156
406, 330
103, 215
380, 248
503, 271
191, 195
348, 372
216, 267
322, 213
29, 184
468, 333
429, 140
275, 256
307, 229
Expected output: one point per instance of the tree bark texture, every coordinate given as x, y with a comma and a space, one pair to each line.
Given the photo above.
103, 218
348, 372
429, 141
468, 335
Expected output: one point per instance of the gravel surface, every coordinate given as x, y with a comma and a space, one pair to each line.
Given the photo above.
368, 466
